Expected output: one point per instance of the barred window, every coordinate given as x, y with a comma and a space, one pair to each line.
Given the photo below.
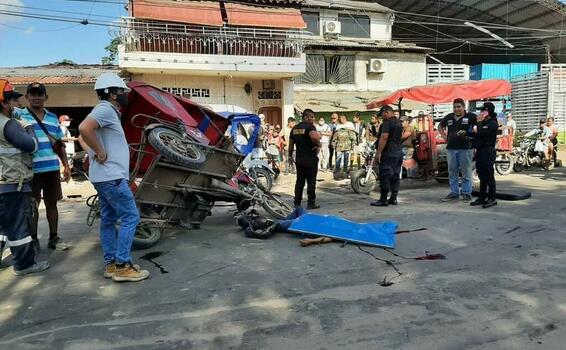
328, 69
188, 92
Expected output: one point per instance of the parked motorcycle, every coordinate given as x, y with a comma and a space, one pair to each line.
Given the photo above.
261, 171
526, 156
365, 180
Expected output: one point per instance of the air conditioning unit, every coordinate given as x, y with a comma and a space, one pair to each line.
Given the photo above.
332, 27
377, 65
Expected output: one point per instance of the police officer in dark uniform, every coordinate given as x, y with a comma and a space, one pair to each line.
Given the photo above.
307, 139
389, 156
485, 137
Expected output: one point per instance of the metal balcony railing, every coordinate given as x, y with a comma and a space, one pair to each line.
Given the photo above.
155, 36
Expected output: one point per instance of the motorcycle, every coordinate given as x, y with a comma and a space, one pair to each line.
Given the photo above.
526, 156
365, 180
261, 171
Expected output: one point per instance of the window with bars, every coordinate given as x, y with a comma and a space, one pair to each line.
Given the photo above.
188, 92
328, 69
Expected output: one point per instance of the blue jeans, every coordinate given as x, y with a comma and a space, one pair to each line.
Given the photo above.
460, 161
117, 205
342, 158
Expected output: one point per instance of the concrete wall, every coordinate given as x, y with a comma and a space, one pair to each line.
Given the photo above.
225, 90
68, 95
403, 70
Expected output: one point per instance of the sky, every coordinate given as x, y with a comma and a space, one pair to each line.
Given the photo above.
32, 42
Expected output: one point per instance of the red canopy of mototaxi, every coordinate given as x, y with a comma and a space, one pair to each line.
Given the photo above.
447, 92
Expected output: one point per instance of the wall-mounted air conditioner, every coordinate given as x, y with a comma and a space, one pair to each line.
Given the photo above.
377, 65
332, 27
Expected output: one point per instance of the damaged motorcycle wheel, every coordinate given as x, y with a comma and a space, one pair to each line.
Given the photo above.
173, 147
275, 206
146, 237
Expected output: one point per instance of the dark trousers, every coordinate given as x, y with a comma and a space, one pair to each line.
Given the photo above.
306, 172
485, 159
330, 156
15, 220
389, 170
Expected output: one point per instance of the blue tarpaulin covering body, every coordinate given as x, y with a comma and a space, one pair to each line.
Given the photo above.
379, 233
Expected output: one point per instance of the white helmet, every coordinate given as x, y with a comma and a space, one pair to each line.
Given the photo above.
109, 80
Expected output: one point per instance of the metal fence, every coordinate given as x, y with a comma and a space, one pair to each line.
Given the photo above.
155, 36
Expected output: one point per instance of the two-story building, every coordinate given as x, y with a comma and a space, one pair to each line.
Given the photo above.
351, 58
242, 53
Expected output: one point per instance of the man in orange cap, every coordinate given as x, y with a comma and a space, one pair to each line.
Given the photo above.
16, 144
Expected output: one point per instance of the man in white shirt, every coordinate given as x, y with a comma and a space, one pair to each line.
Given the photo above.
325, 133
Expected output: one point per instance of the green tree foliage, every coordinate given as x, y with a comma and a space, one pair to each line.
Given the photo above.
112, 50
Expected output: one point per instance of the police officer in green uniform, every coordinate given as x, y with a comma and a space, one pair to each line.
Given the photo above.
485, 138
307, 139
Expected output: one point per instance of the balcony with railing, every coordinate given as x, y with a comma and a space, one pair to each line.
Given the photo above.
227, 44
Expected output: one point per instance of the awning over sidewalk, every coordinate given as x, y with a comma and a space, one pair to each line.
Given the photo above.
190, 12
255, 16
344, 101
447, 92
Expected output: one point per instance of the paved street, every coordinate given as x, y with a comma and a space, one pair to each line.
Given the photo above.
502, 285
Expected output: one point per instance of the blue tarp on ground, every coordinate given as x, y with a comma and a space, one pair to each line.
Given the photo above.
379, 233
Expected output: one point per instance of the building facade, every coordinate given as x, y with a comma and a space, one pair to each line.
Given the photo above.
218, 53
351, 59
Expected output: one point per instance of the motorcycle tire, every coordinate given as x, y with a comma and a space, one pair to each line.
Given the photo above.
275, 206
170, 144
505, 168
359, 184
146, 237
263, 178
518, 167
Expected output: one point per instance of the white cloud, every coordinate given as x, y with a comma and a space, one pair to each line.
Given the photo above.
29, 30
8, 5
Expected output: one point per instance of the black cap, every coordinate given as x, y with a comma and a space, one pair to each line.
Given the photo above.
384, 109
405, 118
488, 106
39, 87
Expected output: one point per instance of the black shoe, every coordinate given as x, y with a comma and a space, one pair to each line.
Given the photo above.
379, 204
296, 205
489, 203
466, 197
393, 199
313, 206
478, 201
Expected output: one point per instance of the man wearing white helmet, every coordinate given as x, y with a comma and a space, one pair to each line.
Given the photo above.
109, 173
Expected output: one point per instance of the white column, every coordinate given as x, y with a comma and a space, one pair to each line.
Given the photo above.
287, 106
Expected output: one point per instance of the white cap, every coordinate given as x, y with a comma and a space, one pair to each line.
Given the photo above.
109, 80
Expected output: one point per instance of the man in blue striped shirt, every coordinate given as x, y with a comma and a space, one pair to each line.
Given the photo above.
46, 181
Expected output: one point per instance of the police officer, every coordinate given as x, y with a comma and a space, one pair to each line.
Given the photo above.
307, 139
16, 144
485, 137
389, 156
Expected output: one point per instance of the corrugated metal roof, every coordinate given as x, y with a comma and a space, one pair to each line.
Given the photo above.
347, 5
543, 20
262, 16
365, 44
192, 12
322, 101
51, 80
56, 74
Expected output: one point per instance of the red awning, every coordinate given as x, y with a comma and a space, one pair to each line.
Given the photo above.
254, 16
447, 92
190, 12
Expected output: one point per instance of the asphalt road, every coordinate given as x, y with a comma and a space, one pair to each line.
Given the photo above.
502, 285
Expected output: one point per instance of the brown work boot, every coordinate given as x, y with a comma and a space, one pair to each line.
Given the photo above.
129, 273
110, 269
